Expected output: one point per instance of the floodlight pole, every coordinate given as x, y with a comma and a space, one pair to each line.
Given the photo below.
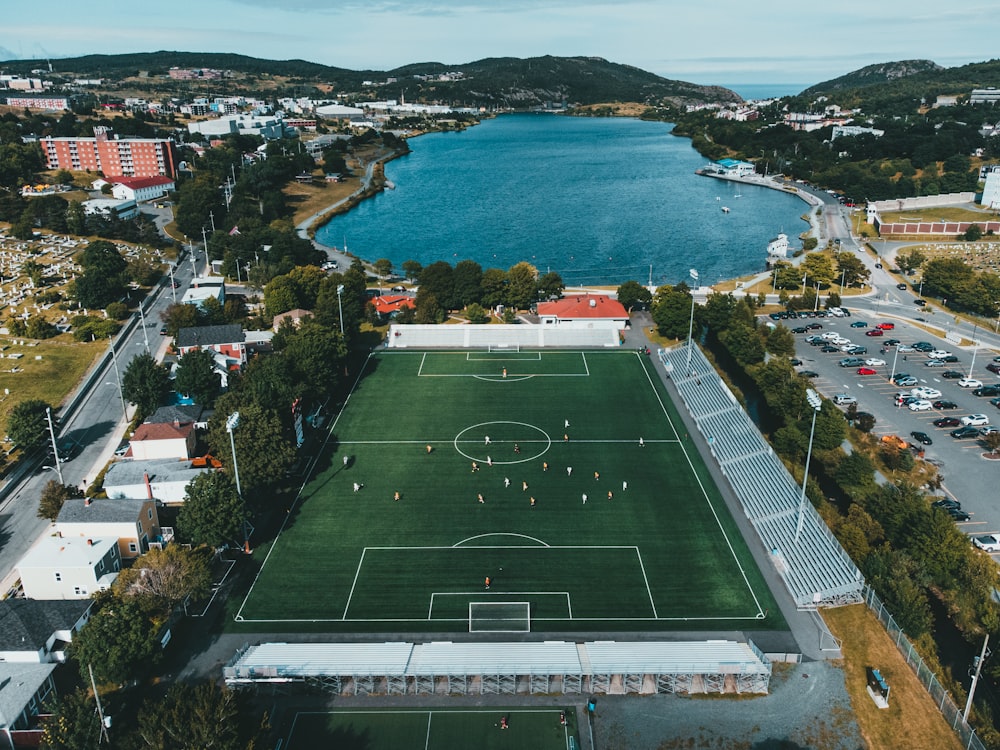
975, 349
816, 403
55, 448
975, 679
340, 308
173, 289
145, 333
694, 276
118, 375
232, 422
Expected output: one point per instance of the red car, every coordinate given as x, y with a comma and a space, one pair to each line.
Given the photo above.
867, 371
886, 326
875, 332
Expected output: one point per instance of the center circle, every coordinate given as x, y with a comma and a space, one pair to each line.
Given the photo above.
508, 442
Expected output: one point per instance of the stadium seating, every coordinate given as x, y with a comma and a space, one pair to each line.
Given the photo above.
815, 568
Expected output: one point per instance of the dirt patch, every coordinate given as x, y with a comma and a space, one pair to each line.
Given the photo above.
912, 719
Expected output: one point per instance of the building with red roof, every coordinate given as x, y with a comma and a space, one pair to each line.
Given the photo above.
163, 440
583, 311
389, 304
140, 189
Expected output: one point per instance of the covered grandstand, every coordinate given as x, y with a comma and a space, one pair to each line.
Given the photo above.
447, 668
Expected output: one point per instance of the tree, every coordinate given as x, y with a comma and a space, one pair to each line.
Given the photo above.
104, 275
196, 376
166, 577
27, 425
551, 285
522, 285
178, 316
280, 296
53, 497
382, 268
992, 441
634, 296
428, 310
476, 314
263, 452
780, 341
145, 383
201, 716
74, 723
317, 356
212, 513
438, 280
974, 233
671, 310
493, 287
466, 279
818, 269
412, 269
910, 261
852, 269
120, 639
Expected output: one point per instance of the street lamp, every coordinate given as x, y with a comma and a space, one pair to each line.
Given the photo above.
340, 307
816, 403
142, 320
694, 277
232, 422
55, 448
118, 376
975, 349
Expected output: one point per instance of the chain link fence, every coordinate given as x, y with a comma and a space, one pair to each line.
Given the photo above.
951, 712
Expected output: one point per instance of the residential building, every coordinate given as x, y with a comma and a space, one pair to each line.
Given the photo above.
268, 128
69, 567
128, 157
141, 189
991, 189
182, 413
133, 521
387, 305
38, 102
295, 317
163, 479
37, 630
25, 689
842, 130
203, 288
985, 96
111, 208
163, 440
583, 311
229, 341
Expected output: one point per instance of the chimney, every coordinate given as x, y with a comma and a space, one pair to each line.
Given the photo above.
149, 487
593, 303
177, 423
90, 542
86, 502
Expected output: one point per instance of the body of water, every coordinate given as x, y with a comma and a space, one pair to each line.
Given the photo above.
598, 200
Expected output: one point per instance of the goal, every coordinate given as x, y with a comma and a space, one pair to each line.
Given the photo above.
504, 348
499, 617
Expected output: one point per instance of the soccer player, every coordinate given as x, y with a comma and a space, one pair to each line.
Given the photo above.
566, 424
357, 487
489, 461
429, 449
487, 440
597, 475
524, 486
487, 582
611, 495
545, 465
395, 496
532, 501
584, 498
482, 500
517, 448
506, 482
569, 471
475, 467
642, 443
624, 485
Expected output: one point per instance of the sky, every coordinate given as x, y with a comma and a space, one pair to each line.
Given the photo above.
724, 42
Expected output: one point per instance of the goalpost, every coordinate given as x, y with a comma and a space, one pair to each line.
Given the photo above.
504, 348
499, 617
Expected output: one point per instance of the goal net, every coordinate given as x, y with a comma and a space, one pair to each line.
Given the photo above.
504, 348
499, 617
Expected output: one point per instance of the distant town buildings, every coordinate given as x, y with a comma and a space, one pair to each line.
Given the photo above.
984, 96
38, 102
841, 130
112, 156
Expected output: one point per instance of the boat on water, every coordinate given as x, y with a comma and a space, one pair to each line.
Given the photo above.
725, 209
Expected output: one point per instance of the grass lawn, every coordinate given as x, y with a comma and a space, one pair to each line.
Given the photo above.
527, 729
912, 719
660, 553
942, 213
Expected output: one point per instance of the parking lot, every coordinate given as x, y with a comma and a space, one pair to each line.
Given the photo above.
944, 374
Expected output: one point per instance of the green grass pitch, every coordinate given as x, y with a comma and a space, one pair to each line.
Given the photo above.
535, 729
659, 553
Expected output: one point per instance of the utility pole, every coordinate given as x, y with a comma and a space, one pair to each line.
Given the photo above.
975, 678
105, 720
55, 448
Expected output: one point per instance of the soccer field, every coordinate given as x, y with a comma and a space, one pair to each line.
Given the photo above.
563, 477
528, 729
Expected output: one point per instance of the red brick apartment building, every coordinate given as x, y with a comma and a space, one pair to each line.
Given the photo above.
126, 157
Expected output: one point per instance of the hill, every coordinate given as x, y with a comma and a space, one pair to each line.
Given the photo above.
506, 81
872, 75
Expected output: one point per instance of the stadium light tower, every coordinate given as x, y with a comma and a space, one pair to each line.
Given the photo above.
815, 402
232, 422
340, 308
694, 277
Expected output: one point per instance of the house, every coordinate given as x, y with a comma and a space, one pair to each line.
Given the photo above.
37, 630
584, 311
111, 208
69, 567
141, 189
203, 288
163, 440
24, 691
226, 340
183, 413
133, 521
295, 316
390, 304
163, 479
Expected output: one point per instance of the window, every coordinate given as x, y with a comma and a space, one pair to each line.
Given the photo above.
149, 513
132, 547
58, 576
80, 591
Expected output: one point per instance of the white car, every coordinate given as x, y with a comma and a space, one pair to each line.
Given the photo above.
875, 362
975, 420
842, 399
830, 335
840, 340
970, 383
925, 391
903, 349
938, 354
921, 405
989, 542
847, 347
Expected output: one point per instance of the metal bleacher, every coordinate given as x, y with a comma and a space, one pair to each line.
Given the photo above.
815, 568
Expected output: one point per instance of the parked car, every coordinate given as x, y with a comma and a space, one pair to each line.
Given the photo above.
814, 326
987, 430
795, 362
970, 383
925, 391
800, 329
886, 326
851, 362
857, 350
890, 342
958, 514
843, 399
952, 375
828, 348
920, 302
901, 287
875, 362
906, 381
934, 363
994, 367
923, 346
875, 332
904, 349
987, 543
975, 420
987, 390
964, 432
950, 359
946, 422
809, 374
938, 354
921, 404
867, 371
399, 288
859, 324
944, 405
922, 437
995, 402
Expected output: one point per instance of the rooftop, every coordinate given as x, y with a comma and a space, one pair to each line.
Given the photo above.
123, 473
101, 510
584, 306
162, 431
18, 684
137, 183
27, 624
210, 335
66, 552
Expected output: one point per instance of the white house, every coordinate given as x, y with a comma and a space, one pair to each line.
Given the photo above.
69, 567
163, 479
112, 208
163, 440
584, 311
133, 521
141, 189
